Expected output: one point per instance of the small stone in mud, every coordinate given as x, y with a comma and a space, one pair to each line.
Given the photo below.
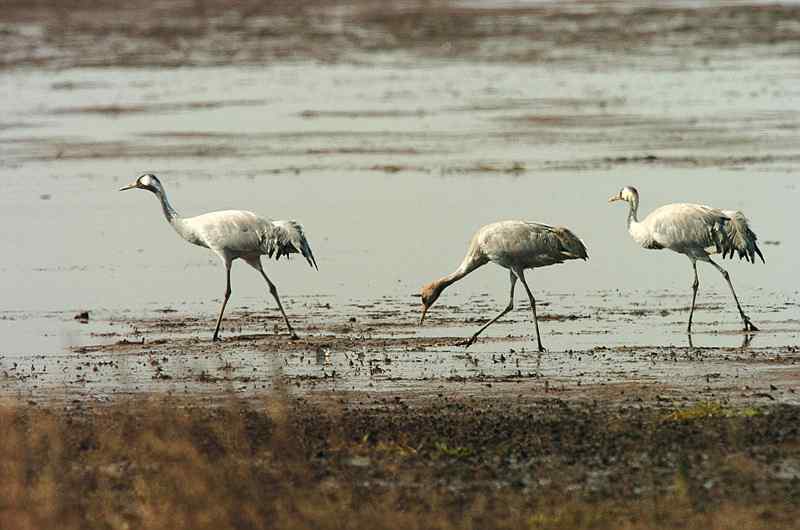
360, 461
45, 196
82, 317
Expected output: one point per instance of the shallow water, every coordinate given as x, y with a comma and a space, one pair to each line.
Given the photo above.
391, 166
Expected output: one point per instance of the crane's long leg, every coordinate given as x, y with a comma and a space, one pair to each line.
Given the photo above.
521, 274
748, 326
225, 301
695, 285
508, 308
256, 264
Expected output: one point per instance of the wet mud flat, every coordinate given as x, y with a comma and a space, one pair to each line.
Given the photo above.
376, 346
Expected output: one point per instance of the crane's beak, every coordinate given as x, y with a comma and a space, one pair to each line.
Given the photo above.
617, 197
424, 311
129, 186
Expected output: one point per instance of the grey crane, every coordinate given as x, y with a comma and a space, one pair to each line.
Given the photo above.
516, 246
233, 234
697, 232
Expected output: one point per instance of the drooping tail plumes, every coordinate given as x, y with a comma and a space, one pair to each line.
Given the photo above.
736, 236
282, 238
572, 246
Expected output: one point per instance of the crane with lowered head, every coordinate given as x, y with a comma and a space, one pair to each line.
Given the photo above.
516, 246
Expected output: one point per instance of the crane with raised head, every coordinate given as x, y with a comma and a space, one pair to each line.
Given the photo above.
697, 232
233, 234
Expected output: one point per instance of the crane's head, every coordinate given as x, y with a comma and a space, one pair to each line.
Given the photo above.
146, 181
627, 194
430, 293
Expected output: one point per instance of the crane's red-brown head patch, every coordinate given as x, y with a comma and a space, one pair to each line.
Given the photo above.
429, 294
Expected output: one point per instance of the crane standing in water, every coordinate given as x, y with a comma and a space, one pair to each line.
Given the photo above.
233, 234
516, 246
695, 231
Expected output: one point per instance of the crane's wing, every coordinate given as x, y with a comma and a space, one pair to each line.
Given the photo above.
737, 236
281, 238
560, 241
691, 227
571, 245
236, 231
527, 244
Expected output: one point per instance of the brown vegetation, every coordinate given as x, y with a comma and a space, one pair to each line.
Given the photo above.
377, 463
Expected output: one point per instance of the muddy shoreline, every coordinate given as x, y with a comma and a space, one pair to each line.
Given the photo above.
383, 351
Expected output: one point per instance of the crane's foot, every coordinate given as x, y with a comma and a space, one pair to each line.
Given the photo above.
293, 336
468, 342
542, 349
216, 338
748, 326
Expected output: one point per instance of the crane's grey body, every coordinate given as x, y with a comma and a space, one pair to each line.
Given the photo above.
240, 234
233, 234
696, 231
525, 245
516, 246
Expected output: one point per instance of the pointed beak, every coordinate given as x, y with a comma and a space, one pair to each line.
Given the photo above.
128, 187
617, 197
424, 312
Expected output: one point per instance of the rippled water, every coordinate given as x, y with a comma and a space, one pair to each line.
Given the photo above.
391, 168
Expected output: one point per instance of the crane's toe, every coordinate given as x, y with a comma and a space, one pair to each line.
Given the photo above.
749, 326
467, 342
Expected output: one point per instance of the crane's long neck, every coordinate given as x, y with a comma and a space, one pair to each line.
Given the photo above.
633, 214
169, 212
469, 264
173, 218
640, 232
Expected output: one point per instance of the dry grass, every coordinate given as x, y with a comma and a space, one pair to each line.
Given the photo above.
285, 464
708, 409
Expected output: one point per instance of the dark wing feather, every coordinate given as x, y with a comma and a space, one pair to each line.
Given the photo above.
733, 235
282, 238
